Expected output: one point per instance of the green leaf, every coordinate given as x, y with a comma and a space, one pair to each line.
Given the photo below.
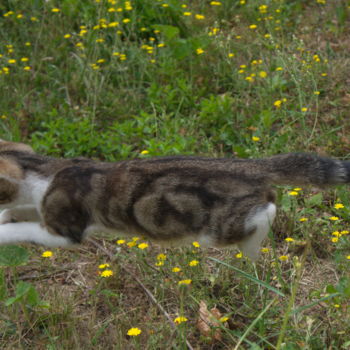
315, 200
22, 288
12, 256
170, 32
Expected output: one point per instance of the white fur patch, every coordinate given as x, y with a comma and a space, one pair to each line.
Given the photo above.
261, 221
31, 232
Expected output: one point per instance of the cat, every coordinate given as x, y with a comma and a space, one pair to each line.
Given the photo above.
219, 202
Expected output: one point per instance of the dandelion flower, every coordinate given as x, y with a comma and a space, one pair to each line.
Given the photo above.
333, 218
161, 257
144, 152
303, 219
134, 332
103, 266
277, 103
230, 55
304, 109
255, 138
47, 254
187, 14
239, 255
193, 263
293, 193
180, 319
215, 3
199, 17
283, 258
264, 250
348, 257
196, 244
182, 282
223, 319
120, 241
334, 239
289, 239
253, 26
338, 206
199, 51
176, 269
27, 68
106, 273
55, 10
143, 246
262, 74
317, 92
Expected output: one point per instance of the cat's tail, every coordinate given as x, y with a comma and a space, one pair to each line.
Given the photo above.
305, 169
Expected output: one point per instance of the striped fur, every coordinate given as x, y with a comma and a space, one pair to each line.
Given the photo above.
218, 202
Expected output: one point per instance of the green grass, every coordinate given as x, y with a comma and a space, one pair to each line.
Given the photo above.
111, 79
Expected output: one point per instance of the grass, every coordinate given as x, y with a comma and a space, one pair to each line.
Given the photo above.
115, 80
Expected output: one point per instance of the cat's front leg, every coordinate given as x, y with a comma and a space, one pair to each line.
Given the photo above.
19, 214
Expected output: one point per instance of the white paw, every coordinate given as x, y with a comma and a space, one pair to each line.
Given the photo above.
6, 216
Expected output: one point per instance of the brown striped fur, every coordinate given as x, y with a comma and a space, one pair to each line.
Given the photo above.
219, 202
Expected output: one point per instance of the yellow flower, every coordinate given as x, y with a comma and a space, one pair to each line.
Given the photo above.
348, 257
27, 68
199, 16
106, 273
333, 218
338, 206
303, 219
297, 189
293, 193
215, 3
67, 36
255, 138
230, 55
188, 281
103, 266
289, 239
264, 250
120, 241
283, 258
278, 69
55, 10
176, 269
131, 244
144, 152
142, 246
11, 61
345, 232
223, 319
317, 92
161, 257
253, 26
239, 255
334, 239
336, 234
187, 13
47, 254
199, 51
193, 263
277, 103
126, 20
304, 109
180, 319
134, 332
262, 74
196, 244
159, 263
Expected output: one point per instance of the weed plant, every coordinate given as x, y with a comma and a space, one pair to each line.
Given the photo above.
117, 79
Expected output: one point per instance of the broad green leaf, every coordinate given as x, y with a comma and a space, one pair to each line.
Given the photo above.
12, 256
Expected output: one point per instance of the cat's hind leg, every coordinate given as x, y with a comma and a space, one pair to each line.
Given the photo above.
258, 224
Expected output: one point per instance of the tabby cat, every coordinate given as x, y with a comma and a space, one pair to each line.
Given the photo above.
217, 202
